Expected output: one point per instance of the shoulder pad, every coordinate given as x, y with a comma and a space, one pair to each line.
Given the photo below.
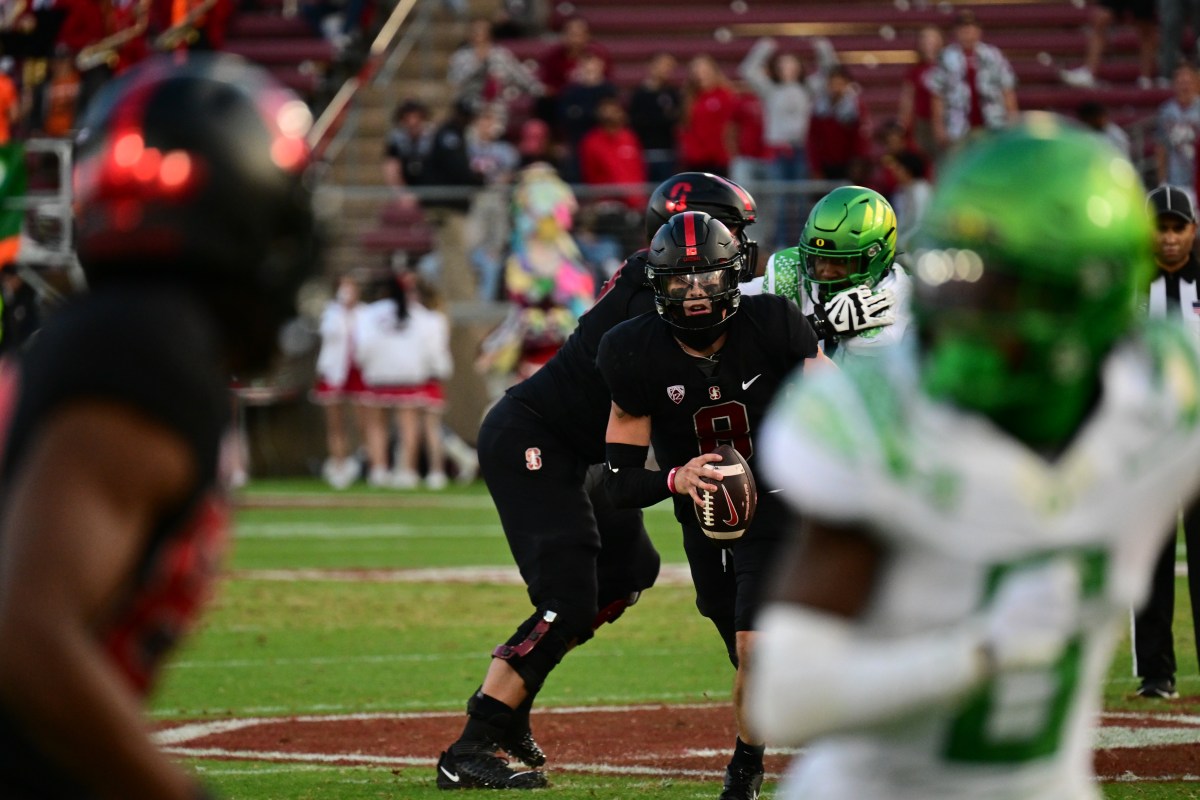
1176, 365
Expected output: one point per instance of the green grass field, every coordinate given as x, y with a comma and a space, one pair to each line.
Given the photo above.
317, 646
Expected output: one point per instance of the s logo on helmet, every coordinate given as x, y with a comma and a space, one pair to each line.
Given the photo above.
533, 458
678, 198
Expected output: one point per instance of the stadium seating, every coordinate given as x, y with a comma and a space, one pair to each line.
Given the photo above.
875, 40
284, 45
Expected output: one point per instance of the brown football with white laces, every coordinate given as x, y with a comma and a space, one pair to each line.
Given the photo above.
727, 512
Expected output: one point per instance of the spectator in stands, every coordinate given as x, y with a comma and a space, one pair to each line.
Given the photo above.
750, 164
706, 135
61, 94
915, 107
485, 73
1094, 115
557, 65
535, 144
404, 350
1177, 127
10, 107
1103, 14
577, 104
488, 228
1172, 16
973, 85
839, 139
910, 198
449, 169
777, 77
120, 42
890, 139
339, 389
338, 21
517, 19
189, 24
408, 145
655, 106
610, 154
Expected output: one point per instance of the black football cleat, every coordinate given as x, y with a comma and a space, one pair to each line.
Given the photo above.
522, 746
742, 783
483, 770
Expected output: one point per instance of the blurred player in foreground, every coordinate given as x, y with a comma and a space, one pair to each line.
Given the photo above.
194, 231
978, 520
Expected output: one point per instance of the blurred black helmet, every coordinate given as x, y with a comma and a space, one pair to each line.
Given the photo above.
194, 171
712, 194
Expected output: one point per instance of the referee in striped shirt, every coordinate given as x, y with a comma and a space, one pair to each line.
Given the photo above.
1173, 294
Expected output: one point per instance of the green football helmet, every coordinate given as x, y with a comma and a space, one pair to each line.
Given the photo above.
848, 240
1029, 266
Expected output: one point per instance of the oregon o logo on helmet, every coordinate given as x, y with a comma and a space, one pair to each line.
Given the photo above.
533, 458
820, 242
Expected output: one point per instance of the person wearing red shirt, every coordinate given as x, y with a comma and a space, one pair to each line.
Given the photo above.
558, 63
915, 109
839, 134
706, 137
610, 153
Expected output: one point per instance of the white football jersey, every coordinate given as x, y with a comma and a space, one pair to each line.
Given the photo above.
956, 503
782, 276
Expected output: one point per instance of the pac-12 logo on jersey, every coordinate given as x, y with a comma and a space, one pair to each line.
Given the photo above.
533, 458
714, 393
675, 393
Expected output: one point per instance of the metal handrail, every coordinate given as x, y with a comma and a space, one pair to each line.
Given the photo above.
328, 121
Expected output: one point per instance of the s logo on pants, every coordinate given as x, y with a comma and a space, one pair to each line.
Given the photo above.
533, 458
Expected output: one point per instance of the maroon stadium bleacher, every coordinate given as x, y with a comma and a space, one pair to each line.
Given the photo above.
875, 40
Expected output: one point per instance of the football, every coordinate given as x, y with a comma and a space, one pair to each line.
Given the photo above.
726, 513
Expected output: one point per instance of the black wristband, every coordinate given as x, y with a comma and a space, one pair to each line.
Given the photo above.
820, 324
628, 483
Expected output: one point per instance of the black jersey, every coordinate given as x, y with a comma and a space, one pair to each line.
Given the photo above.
154, 352
696, 404
568, 393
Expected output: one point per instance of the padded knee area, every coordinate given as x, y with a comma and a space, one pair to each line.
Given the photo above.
538, 645
722, 618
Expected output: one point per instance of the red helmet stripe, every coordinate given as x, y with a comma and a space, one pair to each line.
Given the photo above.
740, 192
689, 230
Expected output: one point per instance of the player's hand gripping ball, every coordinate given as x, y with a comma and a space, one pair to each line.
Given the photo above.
727, 512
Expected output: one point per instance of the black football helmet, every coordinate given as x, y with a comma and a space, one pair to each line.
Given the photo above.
695, 257
712, 194
194, 171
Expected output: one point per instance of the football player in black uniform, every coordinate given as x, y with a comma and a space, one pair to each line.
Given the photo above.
540, 451
194, 229
697, 374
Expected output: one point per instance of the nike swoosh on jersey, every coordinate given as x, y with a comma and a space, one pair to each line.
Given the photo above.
746, 384
451, 775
